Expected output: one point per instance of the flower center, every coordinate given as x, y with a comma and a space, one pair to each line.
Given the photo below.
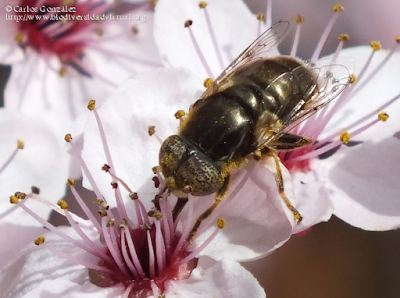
57, 27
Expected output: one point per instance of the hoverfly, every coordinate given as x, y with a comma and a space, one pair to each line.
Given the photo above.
247, 112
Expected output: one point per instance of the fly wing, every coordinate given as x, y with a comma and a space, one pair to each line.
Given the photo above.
258, 50
328, 83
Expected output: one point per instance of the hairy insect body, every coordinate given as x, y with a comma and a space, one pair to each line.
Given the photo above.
223, 129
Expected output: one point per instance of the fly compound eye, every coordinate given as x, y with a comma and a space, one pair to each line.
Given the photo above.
187, 189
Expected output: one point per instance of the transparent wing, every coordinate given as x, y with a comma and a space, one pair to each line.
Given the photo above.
258, 50
329, 82
332, 80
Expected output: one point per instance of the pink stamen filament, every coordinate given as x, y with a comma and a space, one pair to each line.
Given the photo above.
114, 250
330, 146
57, 209
85, 169
296, 40
9, 160
125, 254
197, 251
324, 36
57, 231
377, 69
132, 252
200, 54
85, 238
128, 291
86, 210
69, 257
152, 269
361, 120
186, 230
120, 205
160, 248
166, 227
214, 39
268, 14
212, 218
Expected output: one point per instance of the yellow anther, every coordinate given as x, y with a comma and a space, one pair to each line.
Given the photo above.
397, 38
337, 7
179, 114
62, 204
35, 190
207, 82
68, 137
133, 196
20, 144
344, 37
352, 79
135, 30
188, 23
203, 4
19, 37
62, 72
152, 4
98, 201
345, 137
99, 32
221, 223
257, 155
376, 45
102, 212
71, 182
155, 214
299, 19
13, 199
151, 130
20, 195
260, 17
111, 222
40, 240
156, 169
382, 116
91, 105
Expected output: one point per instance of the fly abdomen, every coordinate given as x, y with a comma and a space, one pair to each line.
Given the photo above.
220, 127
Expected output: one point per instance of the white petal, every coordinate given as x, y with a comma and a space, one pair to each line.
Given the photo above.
55, 288
42, 163
150, 99
36, 264
380, 89
312, 201
234, 26
225, 279
9, 51
257, 220
14, 238
364, 184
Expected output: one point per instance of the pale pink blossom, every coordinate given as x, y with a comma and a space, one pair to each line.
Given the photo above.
58, 65
30, 151
360, 191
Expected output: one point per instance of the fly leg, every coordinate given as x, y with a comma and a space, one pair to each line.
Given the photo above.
219, 197
296, 214
180, 204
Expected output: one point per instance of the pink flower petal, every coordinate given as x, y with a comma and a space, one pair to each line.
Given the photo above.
224, 279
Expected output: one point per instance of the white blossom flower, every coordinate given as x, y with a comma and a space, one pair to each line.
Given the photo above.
355, 110
132, 251
60, 59
29, 152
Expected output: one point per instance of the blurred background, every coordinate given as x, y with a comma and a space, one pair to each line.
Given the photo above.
333, 259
